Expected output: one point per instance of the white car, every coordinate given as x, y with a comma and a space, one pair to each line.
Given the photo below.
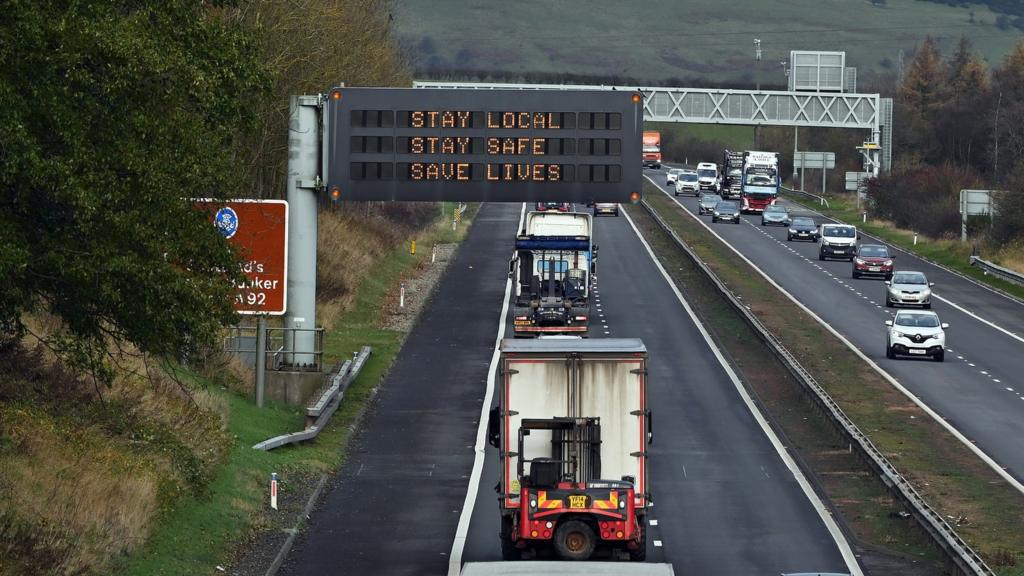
672, 175
916, 333
687, 183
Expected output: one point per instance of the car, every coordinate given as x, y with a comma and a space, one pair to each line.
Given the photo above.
872, 260
837, 241
707, 203
560, 206
802, 228
606, 208
726, 210
775, 215
671, 175
707, 175
687, 181
908, 287
916, 333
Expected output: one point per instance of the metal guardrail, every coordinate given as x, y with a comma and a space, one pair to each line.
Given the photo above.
998, 271
822, 201
955, 548
325, 405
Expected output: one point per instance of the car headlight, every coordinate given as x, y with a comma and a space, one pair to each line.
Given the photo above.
888, 263
792, 231
858, 261
902, 335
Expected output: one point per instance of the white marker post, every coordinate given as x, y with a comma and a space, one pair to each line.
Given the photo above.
273, 490
401, 296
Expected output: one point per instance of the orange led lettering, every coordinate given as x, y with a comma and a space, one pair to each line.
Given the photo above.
416, 171
539, 120
416, 145
508, 120
448, 145
524, 120
555, 172
465, 119
447, 119
553, 121
508, 146
432, 171
522, 172
522, 145
491, 173
538, 172
432, 115
490, 121
417, 119
493, 146
447, 170
464, 145
539, 146
463, 171
508, 171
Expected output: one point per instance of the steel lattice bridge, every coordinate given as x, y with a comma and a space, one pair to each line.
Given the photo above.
747, 107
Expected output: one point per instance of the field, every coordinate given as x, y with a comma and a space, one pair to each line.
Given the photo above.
699, 41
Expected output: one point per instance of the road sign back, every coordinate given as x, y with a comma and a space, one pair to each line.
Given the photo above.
258, 229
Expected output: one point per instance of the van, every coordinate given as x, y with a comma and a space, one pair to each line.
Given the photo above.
837, 241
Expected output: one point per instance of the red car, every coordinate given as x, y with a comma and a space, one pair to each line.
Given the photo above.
872, 260
560, 206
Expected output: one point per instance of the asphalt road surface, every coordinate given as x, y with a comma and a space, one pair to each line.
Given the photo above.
978, 389
725, 502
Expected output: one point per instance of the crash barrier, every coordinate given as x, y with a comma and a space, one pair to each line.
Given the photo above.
998, 271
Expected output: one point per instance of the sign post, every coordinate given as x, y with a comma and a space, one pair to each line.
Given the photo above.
973, 203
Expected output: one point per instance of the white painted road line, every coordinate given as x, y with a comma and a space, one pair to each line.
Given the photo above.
826, 516
462, 531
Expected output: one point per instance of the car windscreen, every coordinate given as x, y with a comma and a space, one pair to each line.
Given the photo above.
651, 149
760, 180
705, 173
839, 232
688, 177
909, 279
775, 209
710, 199
676, 171
803, 222
873, 252
725, 206
917, 320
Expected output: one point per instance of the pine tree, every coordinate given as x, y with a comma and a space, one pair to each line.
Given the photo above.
960, 133
1008, 123
920, 97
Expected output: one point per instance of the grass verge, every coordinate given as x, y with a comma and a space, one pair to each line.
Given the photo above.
988, 512
199, 533
952, 254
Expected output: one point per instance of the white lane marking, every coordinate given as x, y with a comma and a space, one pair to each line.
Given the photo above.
462, 531
826, 517
657, 543
653, 522
997, 380
893, 381
979, 318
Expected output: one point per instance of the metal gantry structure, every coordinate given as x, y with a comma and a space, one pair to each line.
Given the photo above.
746, 107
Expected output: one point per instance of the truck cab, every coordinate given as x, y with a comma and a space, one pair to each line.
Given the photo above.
572, 428
552, 270
652, 149
760, 187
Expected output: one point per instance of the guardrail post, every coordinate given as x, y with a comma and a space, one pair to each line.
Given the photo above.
261, 359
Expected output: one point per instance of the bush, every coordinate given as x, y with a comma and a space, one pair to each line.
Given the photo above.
1008, 224
924, 199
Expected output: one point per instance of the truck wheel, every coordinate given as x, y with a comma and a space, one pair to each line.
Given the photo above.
640, 554
575, 540
508, 546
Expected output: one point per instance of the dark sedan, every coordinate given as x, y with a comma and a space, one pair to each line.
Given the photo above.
726, 211
802, 229
872, 260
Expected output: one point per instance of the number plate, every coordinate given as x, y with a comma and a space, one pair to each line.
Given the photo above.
874, 268
917, 351
578, 501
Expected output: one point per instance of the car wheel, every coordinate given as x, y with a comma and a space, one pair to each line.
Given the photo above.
789, 238
714, 220
888, 351
821, 256
941, 356
736, 221
927, 306
762, 222
888, 278
888, 303
855, 275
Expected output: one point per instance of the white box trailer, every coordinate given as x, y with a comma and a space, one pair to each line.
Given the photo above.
572, 426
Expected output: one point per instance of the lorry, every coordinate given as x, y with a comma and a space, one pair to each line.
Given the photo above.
652, 149
572, 428
732, 175
552, 268
760, 180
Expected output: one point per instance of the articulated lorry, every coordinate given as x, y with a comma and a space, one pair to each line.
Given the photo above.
652, 150
732, 175
572, 428
760, 180
552, 269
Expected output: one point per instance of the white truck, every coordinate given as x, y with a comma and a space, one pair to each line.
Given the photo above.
760, 180
572, 427
552, 270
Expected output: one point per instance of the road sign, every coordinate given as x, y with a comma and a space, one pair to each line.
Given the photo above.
258, 229
976, 202
855, 180
483, 145
814, 160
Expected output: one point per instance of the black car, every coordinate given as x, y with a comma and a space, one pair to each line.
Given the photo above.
802, 229
726, 210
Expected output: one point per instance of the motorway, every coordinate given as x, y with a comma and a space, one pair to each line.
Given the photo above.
725, 500
978, 389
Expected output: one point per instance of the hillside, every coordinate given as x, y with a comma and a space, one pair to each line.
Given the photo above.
699, 41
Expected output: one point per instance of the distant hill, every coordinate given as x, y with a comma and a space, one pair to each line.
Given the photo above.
701, 42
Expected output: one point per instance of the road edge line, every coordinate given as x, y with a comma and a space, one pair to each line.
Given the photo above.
845, 550
466, 516
1016, 484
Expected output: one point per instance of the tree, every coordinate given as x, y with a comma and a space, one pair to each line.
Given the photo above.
113, 114
921, 95
1008, 127
962, 136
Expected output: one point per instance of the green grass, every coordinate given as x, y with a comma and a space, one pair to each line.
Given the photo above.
952, 479
697, 40
949, 253
199, 532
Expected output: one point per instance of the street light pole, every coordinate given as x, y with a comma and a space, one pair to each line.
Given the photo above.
757, 77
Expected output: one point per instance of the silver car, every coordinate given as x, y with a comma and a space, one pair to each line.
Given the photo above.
707, 203
671, 175
606, 208
775, 215
908, 288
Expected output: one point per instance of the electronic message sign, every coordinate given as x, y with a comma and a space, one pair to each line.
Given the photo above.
483, 145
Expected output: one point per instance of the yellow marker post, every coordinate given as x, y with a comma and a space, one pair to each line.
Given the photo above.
412, 247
